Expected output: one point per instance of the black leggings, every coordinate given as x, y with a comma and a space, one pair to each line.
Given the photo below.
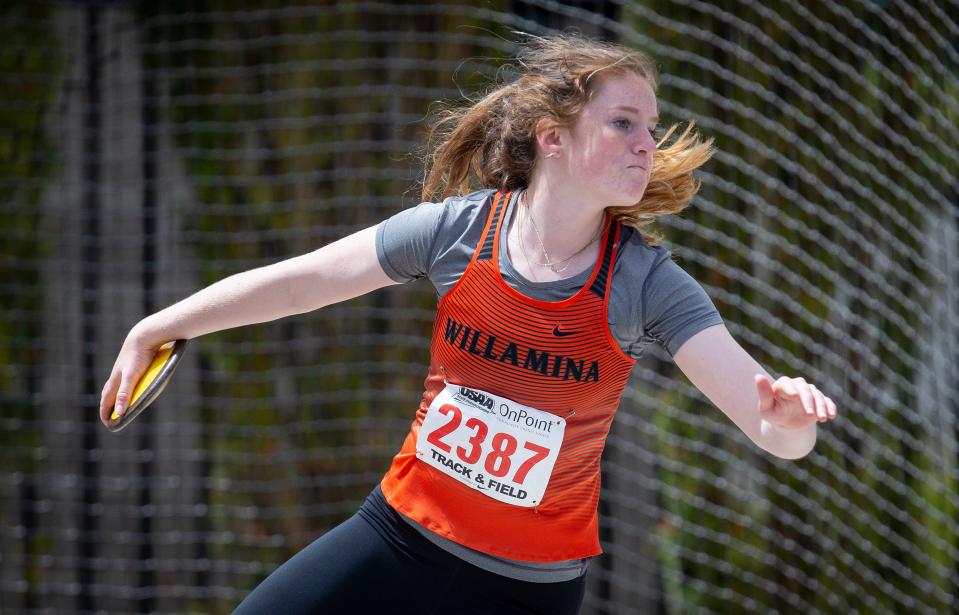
369, 564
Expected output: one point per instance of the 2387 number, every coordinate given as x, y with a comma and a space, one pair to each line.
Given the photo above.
499, 459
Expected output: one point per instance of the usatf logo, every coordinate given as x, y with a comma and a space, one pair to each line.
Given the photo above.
543, 362
477, 397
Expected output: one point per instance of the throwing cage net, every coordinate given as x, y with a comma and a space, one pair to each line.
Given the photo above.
150, 149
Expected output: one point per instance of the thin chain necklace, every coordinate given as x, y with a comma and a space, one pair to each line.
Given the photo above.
549, 261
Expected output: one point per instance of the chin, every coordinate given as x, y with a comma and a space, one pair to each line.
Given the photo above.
640, 194
624, 198
632, 200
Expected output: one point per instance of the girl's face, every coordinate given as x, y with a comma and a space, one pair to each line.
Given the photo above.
611, 146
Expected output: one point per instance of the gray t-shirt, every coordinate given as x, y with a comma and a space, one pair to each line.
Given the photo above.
651, 299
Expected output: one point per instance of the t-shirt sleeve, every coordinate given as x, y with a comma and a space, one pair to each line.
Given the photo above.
406, 240
675, 306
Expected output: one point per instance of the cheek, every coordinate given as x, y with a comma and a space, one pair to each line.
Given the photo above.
592, 151
596, 159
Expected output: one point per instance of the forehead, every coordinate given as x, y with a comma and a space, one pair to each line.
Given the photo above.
629, 90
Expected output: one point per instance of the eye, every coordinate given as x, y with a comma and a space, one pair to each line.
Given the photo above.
622, 123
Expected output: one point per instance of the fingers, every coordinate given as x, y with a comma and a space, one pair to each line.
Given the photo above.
831, 411
116, 394
819, 403
764, 387
814, 402
108, 396
797, 388
825, 408
123, 397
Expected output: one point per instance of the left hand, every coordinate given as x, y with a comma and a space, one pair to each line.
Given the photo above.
792, 403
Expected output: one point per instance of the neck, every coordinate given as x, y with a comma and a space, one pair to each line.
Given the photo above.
565, 226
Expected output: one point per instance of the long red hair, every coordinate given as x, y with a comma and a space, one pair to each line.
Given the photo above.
491, 143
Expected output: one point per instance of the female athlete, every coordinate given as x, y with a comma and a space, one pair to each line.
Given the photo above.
549, 289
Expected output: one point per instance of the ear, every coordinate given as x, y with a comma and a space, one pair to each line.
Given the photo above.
550, 136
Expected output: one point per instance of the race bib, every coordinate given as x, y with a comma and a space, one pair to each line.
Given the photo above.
495, 445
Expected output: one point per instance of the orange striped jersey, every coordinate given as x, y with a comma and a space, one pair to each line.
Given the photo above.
503, 454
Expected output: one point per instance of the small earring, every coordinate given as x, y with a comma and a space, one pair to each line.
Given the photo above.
551, 154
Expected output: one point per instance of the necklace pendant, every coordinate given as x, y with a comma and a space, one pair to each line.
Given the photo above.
549, 262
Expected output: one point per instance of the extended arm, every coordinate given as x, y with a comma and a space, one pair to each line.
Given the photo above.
339, 271
780, 417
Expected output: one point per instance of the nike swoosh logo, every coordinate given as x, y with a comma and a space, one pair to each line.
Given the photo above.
559, 333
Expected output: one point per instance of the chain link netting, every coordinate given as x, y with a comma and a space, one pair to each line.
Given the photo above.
150, 149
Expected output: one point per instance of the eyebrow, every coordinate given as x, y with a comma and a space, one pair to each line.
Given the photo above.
655, 118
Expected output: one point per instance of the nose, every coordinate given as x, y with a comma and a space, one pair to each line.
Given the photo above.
645, 143
645, 146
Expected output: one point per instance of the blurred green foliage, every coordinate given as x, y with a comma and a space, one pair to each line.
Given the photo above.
297, 127
854, 132
29, 66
